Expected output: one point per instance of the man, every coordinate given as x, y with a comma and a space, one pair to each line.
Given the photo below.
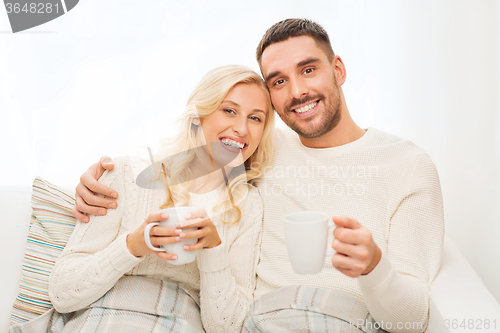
383, 192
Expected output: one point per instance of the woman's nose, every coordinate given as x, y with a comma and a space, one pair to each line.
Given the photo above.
240, 126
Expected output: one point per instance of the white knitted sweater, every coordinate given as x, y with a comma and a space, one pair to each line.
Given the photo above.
96, 255
390, 186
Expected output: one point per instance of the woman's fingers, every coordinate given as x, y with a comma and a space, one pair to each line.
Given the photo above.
198, 213
198, 246
157, 217
194, 223
159, 241
166, 256
193, 234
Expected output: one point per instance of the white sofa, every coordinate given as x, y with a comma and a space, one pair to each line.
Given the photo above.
457, 294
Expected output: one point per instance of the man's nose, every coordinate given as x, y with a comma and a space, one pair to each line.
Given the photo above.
299, 88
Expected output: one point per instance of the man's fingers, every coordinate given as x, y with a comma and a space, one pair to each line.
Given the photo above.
79, 216
340, 260
345, 263
353, 251
349, 236
93, 200
90, 179
349, 272
84, 208
90, 182
346, 222
106, 163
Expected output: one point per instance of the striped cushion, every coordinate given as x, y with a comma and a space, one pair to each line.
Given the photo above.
50, 228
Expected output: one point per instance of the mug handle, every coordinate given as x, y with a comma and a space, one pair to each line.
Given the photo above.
147, 236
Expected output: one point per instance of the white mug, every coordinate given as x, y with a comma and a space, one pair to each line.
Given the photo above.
175, 214
306, 235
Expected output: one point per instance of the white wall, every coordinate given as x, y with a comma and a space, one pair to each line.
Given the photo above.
109, 77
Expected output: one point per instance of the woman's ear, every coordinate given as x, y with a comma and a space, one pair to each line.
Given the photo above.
196, 121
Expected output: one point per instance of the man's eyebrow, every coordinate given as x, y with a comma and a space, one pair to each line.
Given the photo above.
302, 63
307, 61
272, 75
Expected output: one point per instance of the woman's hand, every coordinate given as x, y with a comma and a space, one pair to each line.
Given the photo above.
158, 236
207, 234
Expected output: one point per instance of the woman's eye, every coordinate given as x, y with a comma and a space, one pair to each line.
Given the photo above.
255, 118
229, 111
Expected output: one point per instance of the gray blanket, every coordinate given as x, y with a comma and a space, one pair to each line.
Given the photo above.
134, 304
300, 309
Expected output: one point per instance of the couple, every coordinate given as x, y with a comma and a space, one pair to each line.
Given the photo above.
383, 192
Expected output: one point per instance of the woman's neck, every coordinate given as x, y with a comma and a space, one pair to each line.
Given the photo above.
208, 181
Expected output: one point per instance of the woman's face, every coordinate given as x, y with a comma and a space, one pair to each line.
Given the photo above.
234, 130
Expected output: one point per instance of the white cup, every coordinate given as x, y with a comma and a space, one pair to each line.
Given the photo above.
306, 235
175, 214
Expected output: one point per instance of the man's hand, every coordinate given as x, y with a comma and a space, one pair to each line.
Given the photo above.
357, 254
86, 201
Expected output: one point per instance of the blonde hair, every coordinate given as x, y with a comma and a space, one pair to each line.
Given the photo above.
204, 100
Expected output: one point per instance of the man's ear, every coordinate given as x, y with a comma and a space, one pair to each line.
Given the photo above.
340, 71
196, 121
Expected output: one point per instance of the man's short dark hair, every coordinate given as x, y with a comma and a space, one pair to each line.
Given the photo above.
285, 29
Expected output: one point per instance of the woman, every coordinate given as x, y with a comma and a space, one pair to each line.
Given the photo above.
107, 279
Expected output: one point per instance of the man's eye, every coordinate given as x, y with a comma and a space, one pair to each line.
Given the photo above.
309, 70
279, 82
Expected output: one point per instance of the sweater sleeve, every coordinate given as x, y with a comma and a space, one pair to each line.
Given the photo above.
95, 256
228, 271
398, 288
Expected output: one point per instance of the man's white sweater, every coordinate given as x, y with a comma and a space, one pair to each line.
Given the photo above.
390, 186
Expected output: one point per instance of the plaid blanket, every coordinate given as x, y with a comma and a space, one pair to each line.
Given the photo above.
300, 309
134, 304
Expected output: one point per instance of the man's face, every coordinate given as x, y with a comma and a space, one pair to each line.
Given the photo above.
303, 86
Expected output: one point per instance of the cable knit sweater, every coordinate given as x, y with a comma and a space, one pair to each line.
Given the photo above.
390, 186
96, 255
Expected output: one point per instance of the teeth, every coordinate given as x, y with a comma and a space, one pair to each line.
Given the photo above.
306, 108
233, 144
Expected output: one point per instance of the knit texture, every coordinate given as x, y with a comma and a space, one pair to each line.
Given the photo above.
391, 187
96, 255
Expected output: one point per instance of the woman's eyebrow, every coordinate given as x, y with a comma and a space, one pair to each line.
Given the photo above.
230, 102
236, 104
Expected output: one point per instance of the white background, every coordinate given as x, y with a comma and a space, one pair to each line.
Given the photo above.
109, 77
